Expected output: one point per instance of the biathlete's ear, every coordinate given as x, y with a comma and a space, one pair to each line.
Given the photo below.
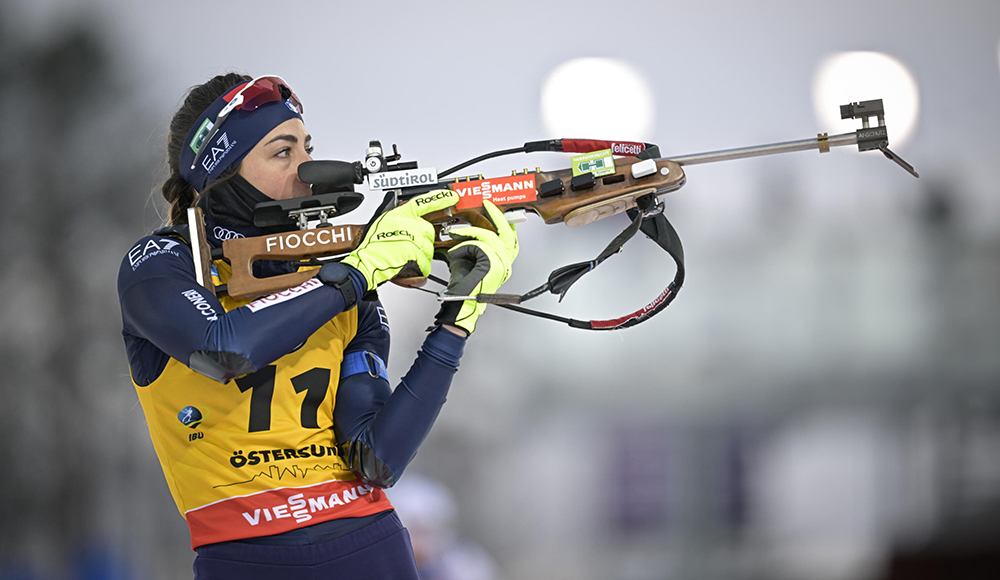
431, 201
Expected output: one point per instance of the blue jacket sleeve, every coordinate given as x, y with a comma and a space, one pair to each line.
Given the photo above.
166, 314
381, 428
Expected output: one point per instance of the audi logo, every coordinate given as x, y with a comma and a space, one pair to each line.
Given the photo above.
222, 233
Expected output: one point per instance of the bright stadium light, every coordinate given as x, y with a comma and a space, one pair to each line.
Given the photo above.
599, 98
849, 77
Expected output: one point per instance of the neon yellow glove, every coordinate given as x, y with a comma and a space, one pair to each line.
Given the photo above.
478, 266
400, 238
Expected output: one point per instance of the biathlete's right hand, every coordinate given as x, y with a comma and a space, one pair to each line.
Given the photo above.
399, 238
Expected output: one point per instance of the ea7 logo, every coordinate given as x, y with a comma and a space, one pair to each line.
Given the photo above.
141, 252
216, 152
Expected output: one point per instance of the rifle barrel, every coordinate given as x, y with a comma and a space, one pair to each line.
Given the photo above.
761, 150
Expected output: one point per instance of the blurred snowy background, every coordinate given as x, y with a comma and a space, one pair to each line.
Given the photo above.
821, 401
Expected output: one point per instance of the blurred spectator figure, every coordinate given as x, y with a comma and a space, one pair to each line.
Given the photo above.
428, 511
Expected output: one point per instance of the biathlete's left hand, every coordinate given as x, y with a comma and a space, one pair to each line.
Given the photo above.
400, 238
478, 265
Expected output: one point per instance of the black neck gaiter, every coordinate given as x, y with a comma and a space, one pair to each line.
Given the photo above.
231, 202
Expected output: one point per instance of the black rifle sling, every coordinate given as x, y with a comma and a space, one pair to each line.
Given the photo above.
562, 278
652, 223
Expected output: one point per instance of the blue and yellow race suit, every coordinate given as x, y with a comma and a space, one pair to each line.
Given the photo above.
272, 414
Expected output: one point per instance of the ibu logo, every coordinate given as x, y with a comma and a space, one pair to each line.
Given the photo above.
190, 417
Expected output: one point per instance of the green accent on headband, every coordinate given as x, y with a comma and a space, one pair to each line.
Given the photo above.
200, 135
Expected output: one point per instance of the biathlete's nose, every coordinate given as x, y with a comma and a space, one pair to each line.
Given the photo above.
297, 177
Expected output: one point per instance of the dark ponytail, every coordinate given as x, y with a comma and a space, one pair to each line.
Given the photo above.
175, 190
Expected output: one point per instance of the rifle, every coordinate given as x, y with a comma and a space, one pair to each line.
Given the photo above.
598, 186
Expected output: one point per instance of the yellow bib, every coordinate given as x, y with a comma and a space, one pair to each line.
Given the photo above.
257, 456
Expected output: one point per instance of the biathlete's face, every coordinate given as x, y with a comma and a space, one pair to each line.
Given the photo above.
272, 165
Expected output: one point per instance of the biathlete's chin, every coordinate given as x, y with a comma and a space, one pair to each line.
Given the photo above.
300, 190
304, 191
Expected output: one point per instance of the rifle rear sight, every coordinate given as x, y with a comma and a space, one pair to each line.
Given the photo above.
375, 162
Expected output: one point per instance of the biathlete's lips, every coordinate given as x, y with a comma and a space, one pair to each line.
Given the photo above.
233, 125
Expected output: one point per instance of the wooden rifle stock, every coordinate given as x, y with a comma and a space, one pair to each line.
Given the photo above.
606, 196
297, 245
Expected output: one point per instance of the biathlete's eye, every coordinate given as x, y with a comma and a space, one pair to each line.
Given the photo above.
309, 149
283, 152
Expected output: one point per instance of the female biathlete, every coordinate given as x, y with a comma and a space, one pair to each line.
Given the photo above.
273, 419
